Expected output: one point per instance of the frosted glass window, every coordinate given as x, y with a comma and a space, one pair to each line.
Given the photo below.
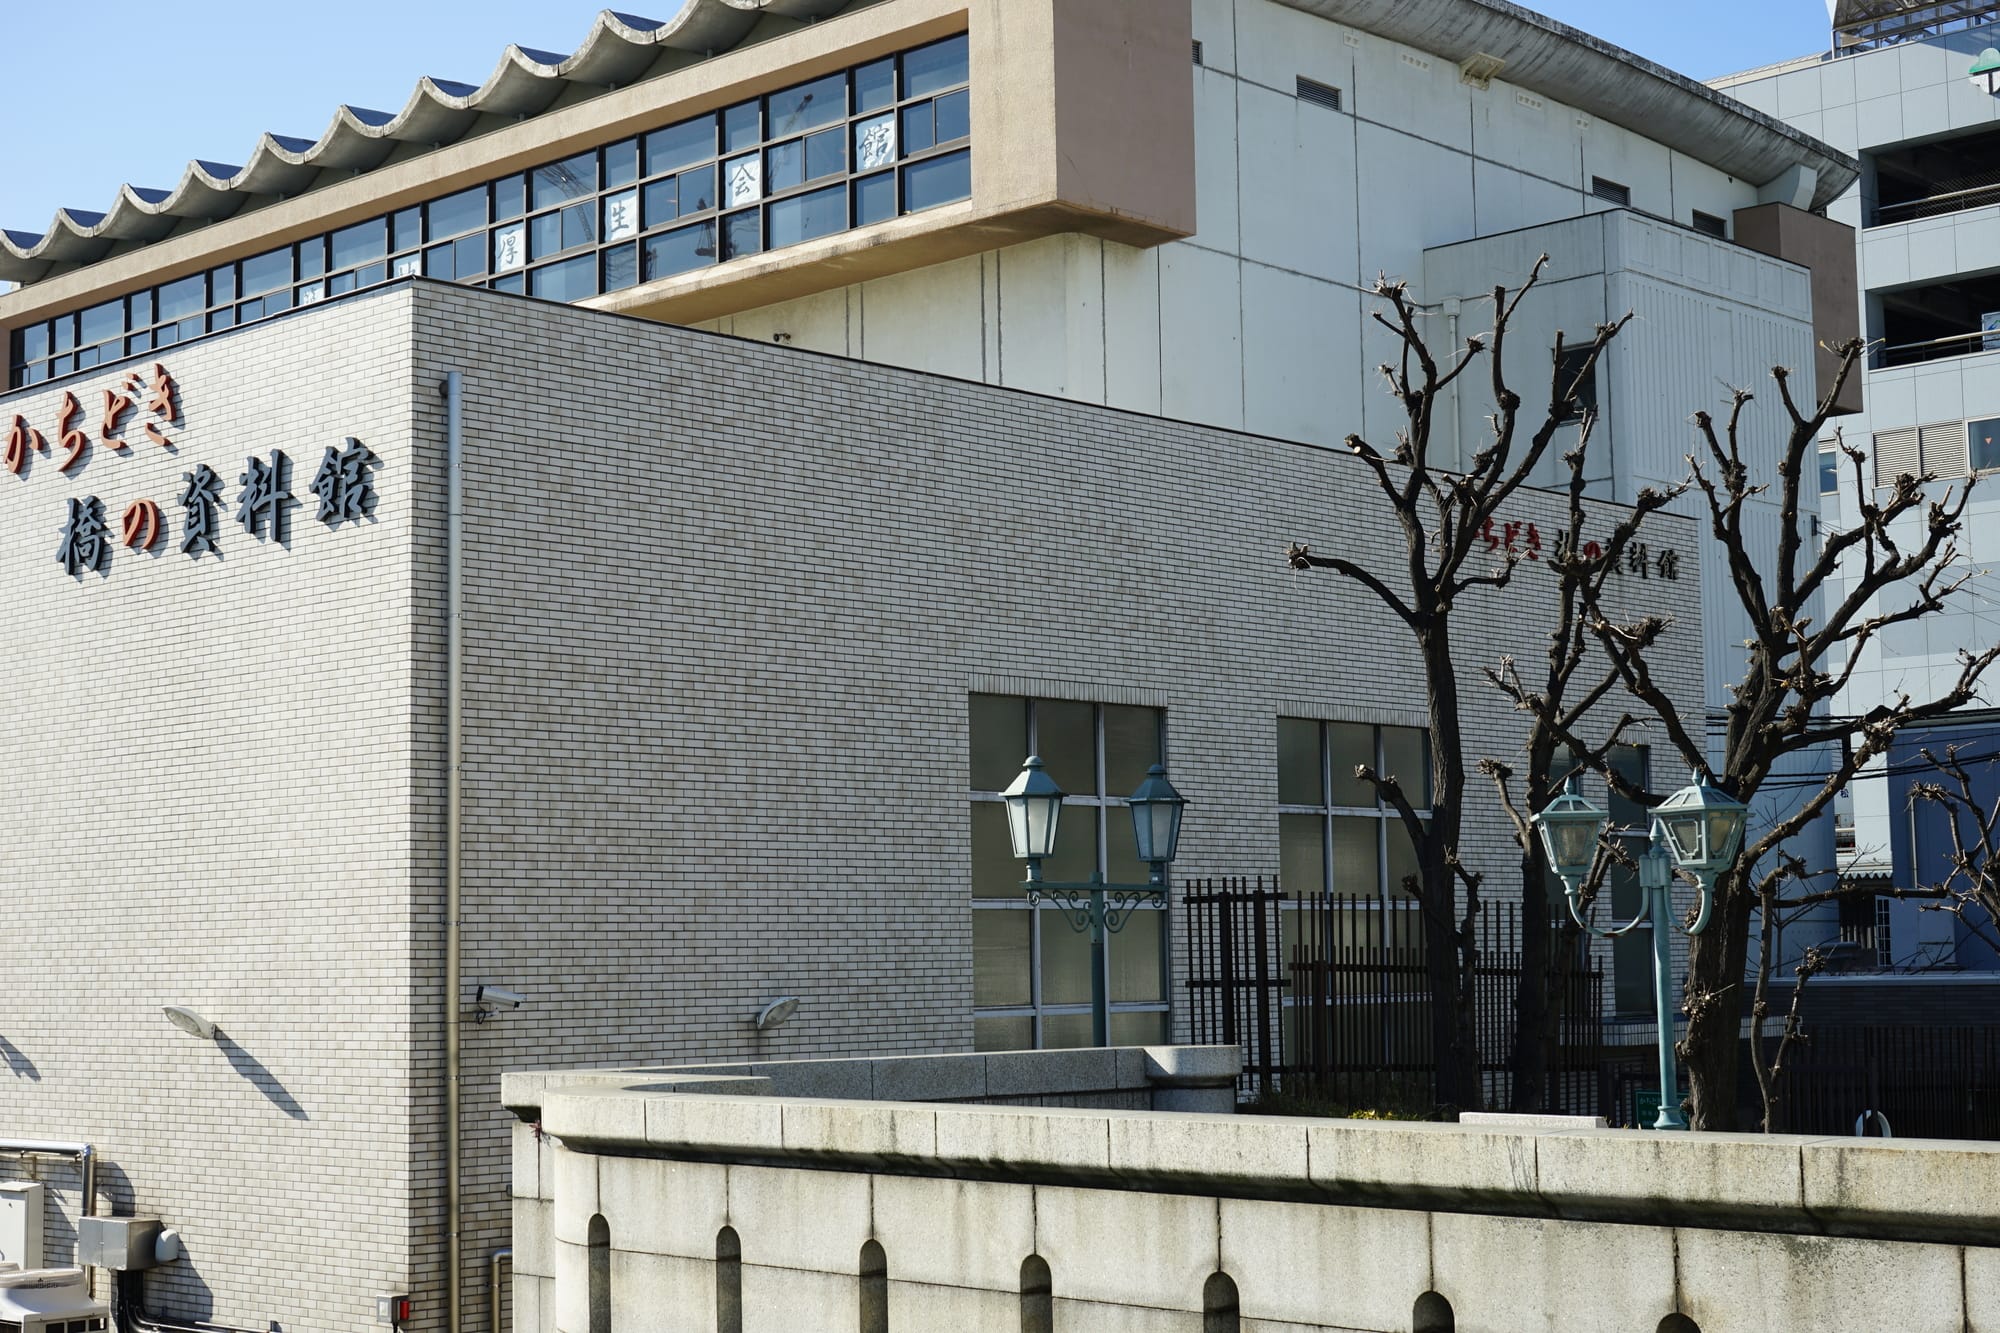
1001, 974
1299, 763
621, 216
1065, 959
1348, 745
1131, 747
875, 143
999, 730
1066, 740
510, 247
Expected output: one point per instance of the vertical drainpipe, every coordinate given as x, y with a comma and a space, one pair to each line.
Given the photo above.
454, 690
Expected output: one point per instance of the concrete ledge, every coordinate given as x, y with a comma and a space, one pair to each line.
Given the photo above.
1173, 1078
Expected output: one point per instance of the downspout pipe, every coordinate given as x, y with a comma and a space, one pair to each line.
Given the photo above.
493, 1265
454, 597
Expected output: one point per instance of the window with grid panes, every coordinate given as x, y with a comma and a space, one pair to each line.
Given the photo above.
846, 150
1343, 857
1031, 969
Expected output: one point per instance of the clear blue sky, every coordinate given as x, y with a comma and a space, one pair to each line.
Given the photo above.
159, 84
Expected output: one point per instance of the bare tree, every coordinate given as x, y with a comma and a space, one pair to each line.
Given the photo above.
1780, 707
1970, 889
1443, 515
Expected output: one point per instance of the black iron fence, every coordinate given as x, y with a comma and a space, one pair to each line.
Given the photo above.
1333, 993
1927, 1082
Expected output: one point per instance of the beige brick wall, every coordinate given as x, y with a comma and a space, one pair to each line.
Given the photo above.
724, 604
208, 767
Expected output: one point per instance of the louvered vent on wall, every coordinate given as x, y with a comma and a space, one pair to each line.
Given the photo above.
1197, 53
1895, 453
1611, 192
1710, 225
1319, 94
1942, 449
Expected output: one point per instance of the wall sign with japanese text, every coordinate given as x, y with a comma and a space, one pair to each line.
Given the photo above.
1524, 541
139, 413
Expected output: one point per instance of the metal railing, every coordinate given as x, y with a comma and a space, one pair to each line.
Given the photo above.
1934, 349
1937, 205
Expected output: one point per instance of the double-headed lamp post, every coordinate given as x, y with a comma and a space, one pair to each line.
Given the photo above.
1699, 830
1034, 807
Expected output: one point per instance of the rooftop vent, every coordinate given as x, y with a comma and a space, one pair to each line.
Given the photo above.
1319, 94
1611, 192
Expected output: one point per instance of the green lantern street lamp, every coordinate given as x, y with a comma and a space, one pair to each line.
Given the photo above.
1034, 808
1699, 830
1156, 821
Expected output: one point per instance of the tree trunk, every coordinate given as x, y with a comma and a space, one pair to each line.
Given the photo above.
1532, 1010
1716, 960
1447, 953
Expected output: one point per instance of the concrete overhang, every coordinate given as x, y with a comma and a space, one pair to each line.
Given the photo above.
1610, 83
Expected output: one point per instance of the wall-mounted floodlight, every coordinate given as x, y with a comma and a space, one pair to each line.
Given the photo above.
490, 1000
775, 1014
187, 1020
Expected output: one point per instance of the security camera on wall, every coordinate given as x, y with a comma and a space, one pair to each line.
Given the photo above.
490, 1000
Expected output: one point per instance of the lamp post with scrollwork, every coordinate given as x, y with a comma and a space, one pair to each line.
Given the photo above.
1034, 808
1697, 830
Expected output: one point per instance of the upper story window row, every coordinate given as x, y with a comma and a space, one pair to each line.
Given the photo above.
846, 150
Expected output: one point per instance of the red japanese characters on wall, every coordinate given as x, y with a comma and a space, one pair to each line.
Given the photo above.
1524, 541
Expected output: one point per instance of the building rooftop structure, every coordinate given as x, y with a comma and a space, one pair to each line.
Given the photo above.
1484, 37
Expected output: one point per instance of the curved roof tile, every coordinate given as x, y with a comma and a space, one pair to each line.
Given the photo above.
618, 49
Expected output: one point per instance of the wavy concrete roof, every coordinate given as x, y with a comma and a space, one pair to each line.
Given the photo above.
619, 49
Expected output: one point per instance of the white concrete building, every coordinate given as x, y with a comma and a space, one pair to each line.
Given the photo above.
739, 619
1898, 90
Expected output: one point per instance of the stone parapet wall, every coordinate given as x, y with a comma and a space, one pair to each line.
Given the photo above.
948, 1216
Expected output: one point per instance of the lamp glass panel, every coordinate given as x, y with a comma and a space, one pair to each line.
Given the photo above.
1034, 824
999, 727
1724, 828
1571, 843
1066, 739
1000, 958
1159, 827
1685, 832
1301, 855
1349, 744
996, 872
1065, 960
1298, 762
1135, 958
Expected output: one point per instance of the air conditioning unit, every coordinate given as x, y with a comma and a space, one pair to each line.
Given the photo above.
50, 1300
21, 1223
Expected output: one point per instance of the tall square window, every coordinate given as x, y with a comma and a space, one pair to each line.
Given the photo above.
1031, 969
